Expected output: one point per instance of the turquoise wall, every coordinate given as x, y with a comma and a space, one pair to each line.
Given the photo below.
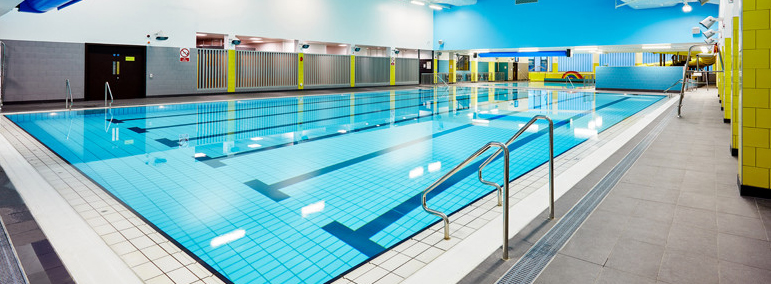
554, 23
638, 78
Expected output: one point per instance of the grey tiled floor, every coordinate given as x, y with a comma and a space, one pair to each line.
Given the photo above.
676, 216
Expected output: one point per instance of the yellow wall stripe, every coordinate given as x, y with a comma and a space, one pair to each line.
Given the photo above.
301, 71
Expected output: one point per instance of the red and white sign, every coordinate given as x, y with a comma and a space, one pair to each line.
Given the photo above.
184, 54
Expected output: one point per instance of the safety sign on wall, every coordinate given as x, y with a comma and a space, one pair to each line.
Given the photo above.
184, 54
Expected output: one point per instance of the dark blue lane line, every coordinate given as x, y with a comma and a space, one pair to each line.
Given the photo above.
261, 107
360, 238
171, 143
144, 130
216, 162
271, 191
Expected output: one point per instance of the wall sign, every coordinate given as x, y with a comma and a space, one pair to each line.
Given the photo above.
184, 54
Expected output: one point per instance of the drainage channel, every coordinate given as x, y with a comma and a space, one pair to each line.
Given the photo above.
530, 266
10, 270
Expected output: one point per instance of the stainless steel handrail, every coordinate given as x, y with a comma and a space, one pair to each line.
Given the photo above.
551, 158
685, 73
503, 192
571, 82
107, 90
68, 100
455, 171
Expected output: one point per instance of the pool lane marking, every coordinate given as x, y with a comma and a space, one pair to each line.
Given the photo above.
145, 130
360, 238
216, 162
372, 95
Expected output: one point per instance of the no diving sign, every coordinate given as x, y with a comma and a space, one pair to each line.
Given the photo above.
184, 54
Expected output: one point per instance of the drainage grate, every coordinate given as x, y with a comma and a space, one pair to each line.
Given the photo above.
10, 271
530, 266
525, 1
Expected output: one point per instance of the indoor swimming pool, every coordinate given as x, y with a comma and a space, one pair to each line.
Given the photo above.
302, 189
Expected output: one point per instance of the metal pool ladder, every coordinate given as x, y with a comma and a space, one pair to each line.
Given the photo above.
67, 95
107, 90
503, 192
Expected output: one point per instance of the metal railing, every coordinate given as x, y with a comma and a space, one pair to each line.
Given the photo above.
685, 73
503, 191
67, 95
107, 91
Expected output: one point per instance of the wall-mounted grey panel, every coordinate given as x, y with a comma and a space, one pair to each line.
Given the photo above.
372, 71
37, 70
257, 70
407, 71
327, 70
212, 69
169, 75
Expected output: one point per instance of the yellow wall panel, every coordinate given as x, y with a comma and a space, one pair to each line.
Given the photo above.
755, 137
749, 156
763, 158
756, 20
757, 98
757, 177
762, 117
748, 117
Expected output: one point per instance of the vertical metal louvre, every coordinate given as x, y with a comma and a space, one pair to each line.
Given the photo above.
578, 63
327, 70
256, 69
617, 59
407, 71
373, 70
650, 58
212, 69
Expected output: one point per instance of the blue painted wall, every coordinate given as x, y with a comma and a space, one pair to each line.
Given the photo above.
638, 78
553, 23
617, 59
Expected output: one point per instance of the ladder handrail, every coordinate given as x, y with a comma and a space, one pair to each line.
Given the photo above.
503, 192
452, 173
571, 82
107, 90
68, 100
551, 159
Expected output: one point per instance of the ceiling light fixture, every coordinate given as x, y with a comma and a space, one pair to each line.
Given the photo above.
709, 33
709, 21
528, 49
418, 3
687, 8
199, 34
435, 7
657, 46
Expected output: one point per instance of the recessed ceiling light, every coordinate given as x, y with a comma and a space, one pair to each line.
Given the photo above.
199, 34
255, 38
418, 3
435, 7
343, 45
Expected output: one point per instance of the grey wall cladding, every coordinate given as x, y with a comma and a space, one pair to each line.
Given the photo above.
170, 76
37, 70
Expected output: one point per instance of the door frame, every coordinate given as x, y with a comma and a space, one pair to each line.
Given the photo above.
87, 61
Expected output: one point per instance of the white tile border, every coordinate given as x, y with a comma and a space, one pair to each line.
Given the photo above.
87, 258
457, 262
149, 257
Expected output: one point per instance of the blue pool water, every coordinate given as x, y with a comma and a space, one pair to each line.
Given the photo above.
302, 189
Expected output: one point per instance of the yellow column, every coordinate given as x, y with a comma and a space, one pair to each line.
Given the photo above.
735, 92
555, 65
595, 62
474, 73
755, 119
452, 68
638, 59
727, 80
393, 71
491, 71
300, 71
353, 70
231, 71
436, 70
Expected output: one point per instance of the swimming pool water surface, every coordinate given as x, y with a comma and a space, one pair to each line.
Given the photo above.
302, 189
